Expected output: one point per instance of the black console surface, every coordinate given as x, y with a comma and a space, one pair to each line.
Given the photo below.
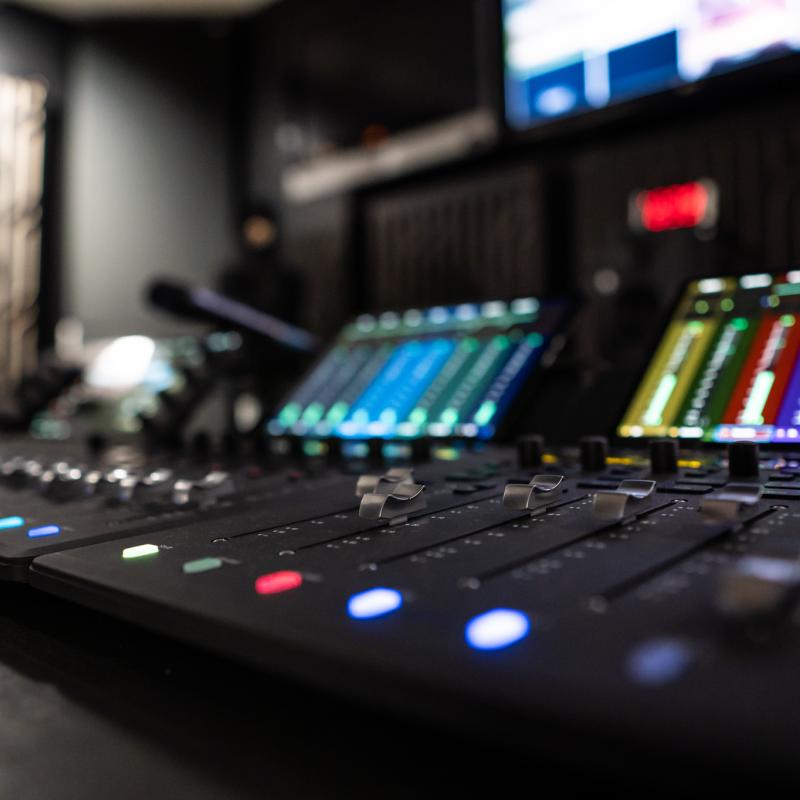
93, 707
554, 605
484, 616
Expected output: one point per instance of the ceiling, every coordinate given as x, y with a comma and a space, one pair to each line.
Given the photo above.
86, 9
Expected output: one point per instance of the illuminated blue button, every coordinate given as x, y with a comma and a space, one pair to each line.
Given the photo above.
659, 661
45, 530
374, 603
496, 629
11, 522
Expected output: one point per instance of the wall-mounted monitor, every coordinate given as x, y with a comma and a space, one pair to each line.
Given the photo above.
569, 57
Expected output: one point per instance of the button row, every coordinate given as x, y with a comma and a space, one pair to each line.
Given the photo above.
10, 523
492, 630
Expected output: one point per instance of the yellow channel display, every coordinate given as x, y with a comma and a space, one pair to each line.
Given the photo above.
728, 365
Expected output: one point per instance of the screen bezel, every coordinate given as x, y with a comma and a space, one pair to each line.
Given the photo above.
514, 412
641, 442
767, 78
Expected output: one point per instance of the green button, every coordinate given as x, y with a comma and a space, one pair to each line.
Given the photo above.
202, 565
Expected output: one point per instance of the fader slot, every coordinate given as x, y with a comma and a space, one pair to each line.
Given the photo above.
616, 562
541, 535
331, 533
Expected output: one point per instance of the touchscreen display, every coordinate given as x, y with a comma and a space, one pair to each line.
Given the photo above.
442, 371
728, 365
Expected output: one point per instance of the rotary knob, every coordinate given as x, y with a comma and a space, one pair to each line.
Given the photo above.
594, 451
743, 460
529, 451
664, 456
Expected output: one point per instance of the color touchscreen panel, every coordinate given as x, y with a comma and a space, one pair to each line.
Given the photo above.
442, 371
728, 365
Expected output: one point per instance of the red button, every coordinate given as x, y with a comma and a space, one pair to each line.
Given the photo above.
277, 582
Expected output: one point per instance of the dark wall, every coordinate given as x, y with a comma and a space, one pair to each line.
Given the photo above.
317, 73
477, 233
311, 76
33, 45
148, 182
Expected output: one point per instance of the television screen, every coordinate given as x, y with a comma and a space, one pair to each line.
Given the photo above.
728, 365
442, 371
565, 57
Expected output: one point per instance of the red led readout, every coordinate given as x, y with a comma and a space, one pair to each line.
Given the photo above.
277, 582
683, 205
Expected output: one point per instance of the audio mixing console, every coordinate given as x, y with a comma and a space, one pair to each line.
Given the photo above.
651, 591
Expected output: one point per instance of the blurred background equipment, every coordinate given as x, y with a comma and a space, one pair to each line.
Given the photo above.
201, 303
22, 148
260, 277
568, 58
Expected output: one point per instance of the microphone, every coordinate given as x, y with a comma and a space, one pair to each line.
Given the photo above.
201, 303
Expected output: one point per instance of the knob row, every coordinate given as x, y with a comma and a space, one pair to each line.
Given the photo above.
743, 457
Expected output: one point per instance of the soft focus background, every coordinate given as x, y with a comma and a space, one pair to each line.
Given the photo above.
375, 136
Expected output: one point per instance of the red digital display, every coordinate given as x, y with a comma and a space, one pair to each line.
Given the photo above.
682, 205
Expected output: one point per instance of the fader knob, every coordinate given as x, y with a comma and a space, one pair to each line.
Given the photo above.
664, 456
529, 451
743, 460
594, 450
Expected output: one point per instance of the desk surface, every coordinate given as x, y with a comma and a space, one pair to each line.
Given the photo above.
91, 707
